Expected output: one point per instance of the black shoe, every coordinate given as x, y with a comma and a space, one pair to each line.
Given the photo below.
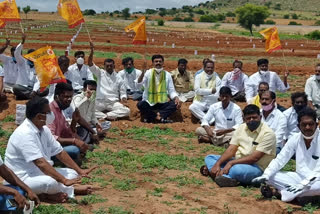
266, 191
223, 181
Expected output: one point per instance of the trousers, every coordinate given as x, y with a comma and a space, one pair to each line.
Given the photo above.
216, 140
149, 112
114, 110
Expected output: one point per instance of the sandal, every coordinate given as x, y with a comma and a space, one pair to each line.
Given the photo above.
204, 171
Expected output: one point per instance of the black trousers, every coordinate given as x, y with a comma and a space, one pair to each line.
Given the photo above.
23, 92
149, 112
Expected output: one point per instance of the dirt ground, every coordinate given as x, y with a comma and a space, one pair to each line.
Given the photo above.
200, 195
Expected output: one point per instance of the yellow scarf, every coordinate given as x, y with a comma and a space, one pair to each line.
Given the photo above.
157, 94
209, 84
256, 101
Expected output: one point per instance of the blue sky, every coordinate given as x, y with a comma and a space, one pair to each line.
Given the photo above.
109, 5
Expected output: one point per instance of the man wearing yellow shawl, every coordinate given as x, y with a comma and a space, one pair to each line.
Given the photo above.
206, 86
158, 86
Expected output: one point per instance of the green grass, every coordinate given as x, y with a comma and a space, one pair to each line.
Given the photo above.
92, 199
290, 166
56, 209
118, 210
124, 184
9, 118
157, 191
133, 55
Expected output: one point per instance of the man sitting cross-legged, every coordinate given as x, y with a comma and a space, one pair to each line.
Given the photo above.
29, 152
227, 117
158, 85
251, 149
305, 181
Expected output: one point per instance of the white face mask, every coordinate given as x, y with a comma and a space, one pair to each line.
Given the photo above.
310, 137
317, 77
158, 70
264, 72
80, 61
50, 118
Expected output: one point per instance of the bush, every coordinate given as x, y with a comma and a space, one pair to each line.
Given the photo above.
313, 35
177, 19
317, 23
188, 19
286, 16
160, 22
200, 12
277, 6
294, 23
294, 16
230, 14
212, 18
270, 22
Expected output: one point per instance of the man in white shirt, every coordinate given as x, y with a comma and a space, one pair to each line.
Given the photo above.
9, 67
111, 91
29, 152
227, 117
25, 87
236, 81
299, 102
264, 75
202, 69
273, 117
130, 75
15, 190
2, 95
78, 72
158, 86
207, 85
312, 89
305, 181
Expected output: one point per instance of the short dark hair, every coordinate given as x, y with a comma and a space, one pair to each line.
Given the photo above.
61, 88
13, 49
89, 82
271, 93
262, 61
237, 61
307, 111
263, 83
108, 60
35, 106
182, 61
126, 60
207, 62
63, 58
225, 90
204, 60
157, 56
251, 109
296, 95
77, 53
31, 50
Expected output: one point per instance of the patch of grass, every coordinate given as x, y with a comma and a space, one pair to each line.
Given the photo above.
178, 197
118, 210
310, 208
290, 166
124, 184
168, 203
105, 55
183, 180
91, 199
133, 55
157, 191
245, 191
9, 118
142, 133
101, 210
54, 208
283, 95
4, 133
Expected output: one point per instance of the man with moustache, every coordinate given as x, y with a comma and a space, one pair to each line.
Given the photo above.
312, 89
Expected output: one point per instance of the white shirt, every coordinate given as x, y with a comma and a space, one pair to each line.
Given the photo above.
26, 75
307, 160
86, 107
1, 71
278, 123
146, 82
1, 161
28, 143
10, 69
292, 122
78, 77
109, 86
129, 79
272, 78
207, 96
235, 85
228, 118
312, 89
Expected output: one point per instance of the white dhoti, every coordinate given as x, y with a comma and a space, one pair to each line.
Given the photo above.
113, 110
216, 140
199, 109
44, 184
186, 96
282, 179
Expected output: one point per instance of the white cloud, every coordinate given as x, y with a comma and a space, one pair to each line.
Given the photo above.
109, 5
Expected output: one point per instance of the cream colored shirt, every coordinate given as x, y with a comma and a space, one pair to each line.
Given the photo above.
262, 139
312, 89
182, 83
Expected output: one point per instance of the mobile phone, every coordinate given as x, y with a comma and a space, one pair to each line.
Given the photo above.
12, 203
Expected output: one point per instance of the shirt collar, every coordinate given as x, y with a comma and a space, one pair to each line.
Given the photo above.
228, 107
32, 126
55, 105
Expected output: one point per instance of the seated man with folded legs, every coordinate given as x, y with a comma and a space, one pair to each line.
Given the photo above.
227, 117
29, 152
251, 149
15, 190
158, 85
305, 181
206, 86
312, 89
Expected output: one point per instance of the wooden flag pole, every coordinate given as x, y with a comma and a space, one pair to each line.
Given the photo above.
21, 27
5, 27
88, 32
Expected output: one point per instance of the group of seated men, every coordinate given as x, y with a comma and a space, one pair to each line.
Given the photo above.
62, 123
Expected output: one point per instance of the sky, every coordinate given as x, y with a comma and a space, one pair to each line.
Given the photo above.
109, 5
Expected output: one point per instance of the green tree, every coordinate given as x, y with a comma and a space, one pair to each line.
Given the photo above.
126, 13
89, 12
26, 10
250, 14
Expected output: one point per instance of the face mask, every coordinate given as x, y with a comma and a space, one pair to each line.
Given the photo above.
310, 137
253, 125
298, 108
93, 96
80, 61
30, 63
129, 70
50, 118
318, 77
264, 72
267, 107
158, 70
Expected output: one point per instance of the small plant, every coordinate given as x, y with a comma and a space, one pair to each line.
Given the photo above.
91, 199
157, 192
309, 208
9, 118
294, 23
270, 22
160, 22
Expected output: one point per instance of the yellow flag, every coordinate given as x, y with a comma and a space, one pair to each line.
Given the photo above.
2, 23
70, 11
9, 11
272, 39
46, 65
139, 27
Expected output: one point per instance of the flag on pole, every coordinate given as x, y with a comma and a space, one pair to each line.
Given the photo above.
70, 11
9, 11
2, 23
272, 39
139, 27
46, 66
